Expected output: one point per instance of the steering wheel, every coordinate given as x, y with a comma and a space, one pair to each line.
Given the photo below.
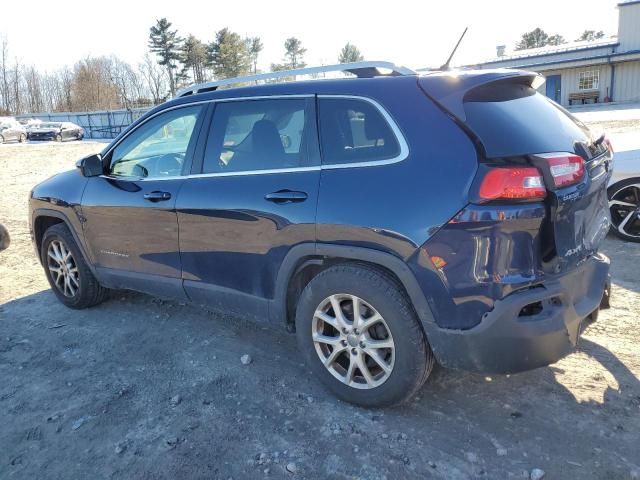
170, 163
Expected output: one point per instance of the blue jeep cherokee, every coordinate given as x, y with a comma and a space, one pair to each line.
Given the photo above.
391, 221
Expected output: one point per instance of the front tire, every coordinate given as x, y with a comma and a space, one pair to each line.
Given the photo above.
67, 272
58, 138
361, 336
23, 138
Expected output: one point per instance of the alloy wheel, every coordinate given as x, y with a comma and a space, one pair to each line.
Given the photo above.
353, 341
63, 268
625, 210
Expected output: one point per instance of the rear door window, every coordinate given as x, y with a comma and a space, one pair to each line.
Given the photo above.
253, 135
354, 131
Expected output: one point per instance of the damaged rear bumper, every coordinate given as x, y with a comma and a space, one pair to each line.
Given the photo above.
527, 329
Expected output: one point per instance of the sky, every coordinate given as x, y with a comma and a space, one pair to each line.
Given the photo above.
411, 33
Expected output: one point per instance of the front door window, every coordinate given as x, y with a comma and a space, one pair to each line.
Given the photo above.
158, 148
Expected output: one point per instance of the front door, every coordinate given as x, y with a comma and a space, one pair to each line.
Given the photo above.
254, 198
130, 221
553, 87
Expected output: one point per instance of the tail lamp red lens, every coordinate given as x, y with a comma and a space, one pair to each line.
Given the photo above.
566, 169
522, 183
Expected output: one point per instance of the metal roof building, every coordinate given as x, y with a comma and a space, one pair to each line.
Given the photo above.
586, 72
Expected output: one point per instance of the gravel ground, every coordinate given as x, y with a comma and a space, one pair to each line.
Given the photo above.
140, 387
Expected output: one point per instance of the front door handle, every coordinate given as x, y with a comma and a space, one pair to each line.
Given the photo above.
285, 196
157, 196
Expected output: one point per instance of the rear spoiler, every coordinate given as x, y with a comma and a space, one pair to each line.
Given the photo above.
448, 89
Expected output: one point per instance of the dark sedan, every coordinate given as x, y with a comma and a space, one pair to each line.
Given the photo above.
57, 131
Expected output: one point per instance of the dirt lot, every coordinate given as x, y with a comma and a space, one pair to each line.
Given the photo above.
145, 388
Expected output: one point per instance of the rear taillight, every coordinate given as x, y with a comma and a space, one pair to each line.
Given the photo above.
521, 183
566, 168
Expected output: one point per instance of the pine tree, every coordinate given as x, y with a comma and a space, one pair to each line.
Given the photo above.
228, 55
294, 53
166, 44
556, 39
350, 53
194, 59
254, 47
533, 39
590, 36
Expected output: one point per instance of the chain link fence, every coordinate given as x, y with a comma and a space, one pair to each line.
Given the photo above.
106, 124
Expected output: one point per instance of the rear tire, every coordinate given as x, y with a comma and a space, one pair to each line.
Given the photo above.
67, 272
407, 363
58, 138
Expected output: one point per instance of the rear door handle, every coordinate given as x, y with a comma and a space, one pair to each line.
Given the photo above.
157, 196
285, 196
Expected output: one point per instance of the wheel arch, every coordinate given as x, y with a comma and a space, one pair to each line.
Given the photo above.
43, 219
305, 261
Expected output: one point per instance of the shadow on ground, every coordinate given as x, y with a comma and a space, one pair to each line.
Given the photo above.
141, 387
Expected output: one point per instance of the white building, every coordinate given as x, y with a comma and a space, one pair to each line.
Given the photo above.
597, 71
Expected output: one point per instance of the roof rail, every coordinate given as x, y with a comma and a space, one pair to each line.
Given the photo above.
359, 69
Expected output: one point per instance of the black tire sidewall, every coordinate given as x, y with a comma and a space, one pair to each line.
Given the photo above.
410, 348
60, 232
610, 192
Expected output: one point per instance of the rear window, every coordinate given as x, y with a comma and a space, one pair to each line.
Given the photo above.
353, 131
514, 119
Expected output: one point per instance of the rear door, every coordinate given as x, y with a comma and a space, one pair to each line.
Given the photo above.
130, 221
253, 199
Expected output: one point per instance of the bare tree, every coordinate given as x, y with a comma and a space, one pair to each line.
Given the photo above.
16, 84
128, 82
155, 79
92, 87
34, 92
5, 93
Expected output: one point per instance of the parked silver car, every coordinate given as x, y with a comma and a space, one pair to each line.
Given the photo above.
11, 130
624, 195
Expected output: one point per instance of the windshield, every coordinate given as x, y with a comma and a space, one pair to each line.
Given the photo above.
50, 125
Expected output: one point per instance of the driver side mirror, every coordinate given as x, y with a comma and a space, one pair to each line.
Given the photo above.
91, 166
